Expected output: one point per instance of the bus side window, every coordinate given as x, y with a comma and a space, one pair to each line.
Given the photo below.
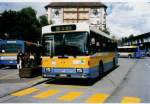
92, 45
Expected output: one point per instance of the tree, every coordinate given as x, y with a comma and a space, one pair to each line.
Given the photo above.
22, 25
43, 20
30, 26
131, 37
8, 21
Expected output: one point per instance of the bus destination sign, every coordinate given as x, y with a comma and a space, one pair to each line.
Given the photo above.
63, 28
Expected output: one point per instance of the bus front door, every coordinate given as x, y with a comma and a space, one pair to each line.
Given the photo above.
50, 46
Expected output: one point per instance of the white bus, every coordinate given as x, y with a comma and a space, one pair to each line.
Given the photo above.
131, 51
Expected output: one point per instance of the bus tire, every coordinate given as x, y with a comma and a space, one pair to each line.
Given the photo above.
114, 63
129, 56
101, 69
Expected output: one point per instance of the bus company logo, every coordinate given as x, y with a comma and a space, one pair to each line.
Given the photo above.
53, 62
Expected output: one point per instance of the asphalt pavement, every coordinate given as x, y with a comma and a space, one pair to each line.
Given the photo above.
81, 91
136, 86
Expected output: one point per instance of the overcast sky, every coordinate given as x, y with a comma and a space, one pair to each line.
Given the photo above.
123, 18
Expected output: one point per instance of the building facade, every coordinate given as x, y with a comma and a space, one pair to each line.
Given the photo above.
143, 39
93, 13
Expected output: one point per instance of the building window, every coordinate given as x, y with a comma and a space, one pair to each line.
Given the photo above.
56, 13
95, 13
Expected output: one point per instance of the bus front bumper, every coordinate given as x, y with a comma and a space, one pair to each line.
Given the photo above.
8, 62
69, 73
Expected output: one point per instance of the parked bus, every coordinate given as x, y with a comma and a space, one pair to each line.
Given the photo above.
76, 51
131, 51
10, 48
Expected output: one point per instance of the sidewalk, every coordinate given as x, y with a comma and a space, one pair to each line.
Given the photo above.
11, 83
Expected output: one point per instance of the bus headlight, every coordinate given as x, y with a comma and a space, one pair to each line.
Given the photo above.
1, 58
79, 70
53, 63
48, 69
75, 62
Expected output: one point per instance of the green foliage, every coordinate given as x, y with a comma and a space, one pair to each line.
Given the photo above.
8, 19
21, 25
127, 39
43, 20
131, 37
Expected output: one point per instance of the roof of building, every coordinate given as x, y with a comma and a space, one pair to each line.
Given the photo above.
75, 4
145, 35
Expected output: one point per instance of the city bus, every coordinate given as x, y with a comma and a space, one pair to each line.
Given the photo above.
131, 51
76, 51
10, 48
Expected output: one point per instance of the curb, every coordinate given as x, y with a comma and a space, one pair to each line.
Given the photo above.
122, 80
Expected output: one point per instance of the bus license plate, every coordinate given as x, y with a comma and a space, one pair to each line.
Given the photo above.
63, 75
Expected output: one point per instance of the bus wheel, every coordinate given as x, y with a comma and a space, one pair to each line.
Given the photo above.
114, 63
101, 69
129, 56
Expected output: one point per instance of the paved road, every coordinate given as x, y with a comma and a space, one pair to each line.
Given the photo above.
80, 91
137, 84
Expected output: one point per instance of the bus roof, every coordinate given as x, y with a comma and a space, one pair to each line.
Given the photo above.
128, 47
79, 27
100, 32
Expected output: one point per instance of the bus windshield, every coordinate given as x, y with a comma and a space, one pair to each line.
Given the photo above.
66, 43
127, 50
12, 48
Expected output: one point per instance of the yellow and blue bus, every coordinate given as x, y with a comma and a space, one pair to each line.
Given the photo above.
131, 51
76, 51
9, 50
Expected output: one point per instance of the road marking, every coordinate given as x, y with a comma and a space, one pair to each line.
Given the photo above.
97, 98
70, 96
65, 86
46, 94
131, 100
25, 92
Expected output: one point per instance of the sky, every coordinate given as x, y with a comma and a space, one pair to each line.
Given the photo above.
123, 18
